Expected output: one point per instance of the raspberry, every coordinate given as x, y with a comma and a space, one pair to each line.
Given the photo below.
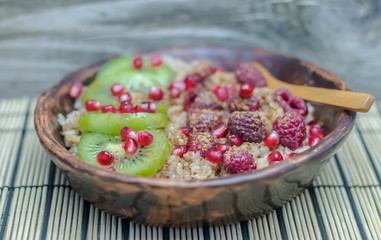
246, 125
246, 73
236, 103
291, 129
204, 120
202, 100
289, 103
239, 161
282, 94
201, 142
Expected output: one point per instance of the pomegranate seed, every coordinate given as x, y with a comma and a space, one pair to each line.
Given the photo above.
220, 131
180, 150
105, 158
316, 132
127, 133
246, 90
110, 168
214, 155
152, 107
155, 93
93, 105
124, 97
177, 84
175, 93
130, 146
235, 141
155, 60
137, 62
145, 138
76, 90
312, 141
230, 88
143, 107
274, 157
290, 155
314, 124
108, 108
189, 83
223, 148
126, 107
217, 69
272, 139
185, 131
221, 93
116, 89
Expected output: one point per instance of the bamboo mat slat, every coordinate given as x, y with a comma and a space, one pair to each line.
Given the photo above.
36, 201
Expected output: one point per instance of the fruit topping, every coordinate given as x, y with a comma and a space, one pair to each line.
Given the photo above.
105, 158
192, 80
177, 84
201, 142
274, 157
76, 90
126, 107
221, 93
235, 141
230, 88
246, 90
236, 103
282, 94
291, 129
290, 155
214, 155
246, 125
247, 73
108, 108
312, 141
124, 97
155, 93
220, 131
316, 132
204, 120
130, 146
184, 130
145, 138
143, 107
137, 61
223, 148
290, 103
180, 150
127, 133
116, 89
175, 93
271, 140
238, 161
155, 60
110, 168
93, 105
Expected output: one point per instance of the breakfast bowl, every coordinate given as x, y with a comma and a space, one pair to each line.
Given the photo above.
194, 203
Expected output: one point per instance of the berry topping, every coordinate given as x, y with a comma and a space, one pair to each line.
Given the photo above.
239, 161
124, 97
297, 105
152, 108
130, 146
274, 157
105, 158
246, 125
314, 124
155, 93
316, 132
312, 141
235, 141
180, 150
246, 73
137, 62
291, 129
246, 90
230, 88
201, 142
220, 131
110, 168
221, 93
271, 140
108, 108
145, 138
290, 155
76, 90
204, 120
185, 131
126, 107
192, 80
214, 155
177, 84
127, 133
202, 100
236, 103
116, 89
155, 60
282, 94
143, 107
223, 148
175, 93
93, 105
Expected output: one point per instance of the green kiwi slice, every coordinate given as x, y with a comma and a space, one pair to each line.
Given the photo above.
145, 162
111, 123
121, 70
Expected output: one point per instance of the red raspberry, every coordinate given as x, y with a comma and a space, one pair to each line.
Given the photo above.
246, 73
204, 120
289, 103
201, 142
246, 125
282, 94
192, 80
291, 129
236, 103
239, 161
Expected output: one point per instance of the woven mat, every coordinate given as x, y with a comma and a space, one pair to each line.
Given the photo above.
36, 201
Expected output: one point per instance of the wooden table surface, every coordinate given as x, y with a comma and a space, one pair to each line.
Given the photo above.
42, 40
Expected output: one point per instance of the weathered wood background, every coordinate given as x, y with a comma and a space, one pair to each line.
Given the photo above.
42, 40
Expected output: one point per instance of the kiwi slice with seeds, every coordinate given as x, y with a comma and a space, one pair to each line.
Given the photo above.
145, 162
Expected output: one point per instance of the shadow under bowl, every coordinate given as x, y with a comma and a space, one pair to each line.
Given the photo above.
174, 203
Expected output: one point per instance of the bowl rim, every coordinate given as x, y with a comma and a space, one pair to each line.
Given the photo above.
344, 125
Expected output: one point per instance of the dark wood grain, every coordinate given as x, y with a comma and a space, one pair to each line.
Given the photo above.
42, 40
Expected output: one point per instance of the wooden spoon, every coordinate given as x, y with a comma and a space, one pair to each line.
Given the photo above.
358, 102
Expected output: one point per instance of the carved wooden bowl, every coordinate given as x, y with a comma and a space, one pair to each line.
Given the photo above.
165, 202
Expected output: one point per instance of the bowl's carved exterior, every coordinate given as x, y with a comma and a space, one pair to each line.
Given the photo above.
165, 202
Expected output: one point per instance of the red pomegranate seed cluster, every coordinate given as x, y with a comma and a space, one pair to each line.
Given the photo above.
315, 133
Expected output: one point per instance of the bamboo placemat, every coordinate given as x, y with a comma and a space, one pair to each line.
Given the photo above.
36, 201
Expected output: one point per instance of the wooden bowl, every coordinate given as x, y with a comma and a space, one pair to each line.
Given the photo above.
174, 203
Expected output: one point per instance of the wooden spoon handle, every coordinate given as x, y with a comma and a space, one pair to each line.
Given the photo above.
359, 102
